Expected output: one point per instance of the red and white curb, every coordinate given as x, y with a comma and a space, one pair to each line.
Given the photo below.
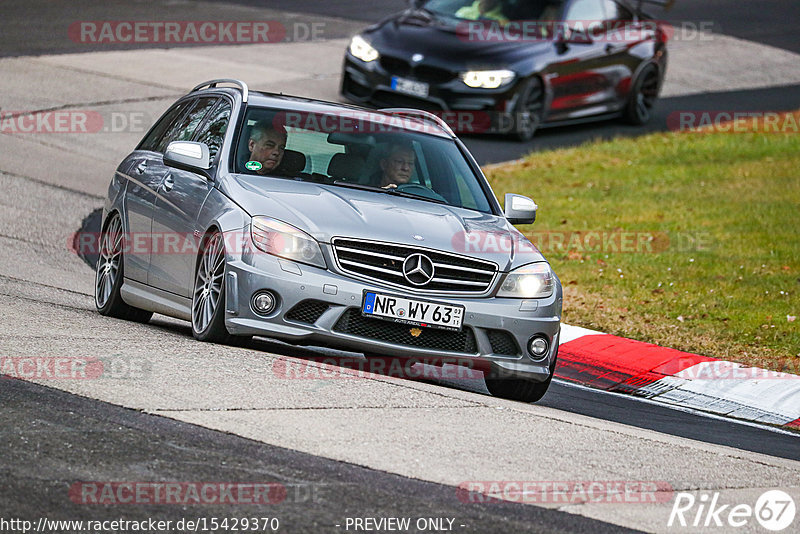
621, 365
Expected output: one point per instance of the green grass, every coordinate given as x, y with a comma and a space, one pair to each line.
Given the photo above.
724, 208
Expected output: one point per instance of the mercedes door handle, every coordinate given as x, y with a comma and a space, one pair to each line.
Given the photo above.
169, 182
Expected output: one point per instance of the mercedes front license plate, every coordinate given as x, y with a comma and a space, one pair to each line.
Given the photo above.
412, 311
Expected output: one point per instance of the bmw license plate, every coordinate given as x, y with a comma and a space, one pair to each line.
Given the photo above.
412, 311
410, 87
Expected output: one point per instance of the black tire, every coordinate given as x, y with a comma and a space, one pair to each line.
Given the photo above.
528, 110
208, 303
519, 389
643, 96
109, 275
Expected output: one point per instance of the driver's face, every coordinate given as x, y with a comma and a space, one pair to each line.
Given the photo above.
487, 5
268, 150
397, 168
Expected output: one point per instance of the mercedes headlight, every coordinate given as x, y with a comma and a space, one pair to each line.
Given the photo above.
487, 79
284, 240
534, 281
361, 49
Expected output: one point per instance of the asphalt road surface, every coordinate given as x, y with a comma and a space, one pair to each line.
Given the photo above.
772, 22
39, 26
53, 440
489, 149
198, 412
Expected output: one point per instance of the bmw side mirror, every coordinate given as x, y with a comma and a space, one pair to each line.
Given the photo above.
520, 209
188, 156
569, 35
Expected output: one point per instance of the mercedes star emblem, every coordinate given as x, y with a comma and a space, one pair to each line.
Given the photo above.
418, 269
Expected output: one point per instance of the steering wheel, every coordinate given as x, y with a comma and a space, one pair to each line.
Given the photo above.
420, 190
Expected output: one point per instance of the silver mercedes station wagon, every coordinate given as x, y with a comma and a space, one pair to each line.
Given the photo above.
317, 223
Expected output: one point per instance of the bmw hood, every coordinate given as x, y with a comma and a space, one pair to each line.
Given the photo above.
447, 45
327, 211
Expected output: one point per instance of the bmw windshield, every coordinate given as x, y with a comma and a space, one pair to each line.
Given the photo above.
497, 10
386, 154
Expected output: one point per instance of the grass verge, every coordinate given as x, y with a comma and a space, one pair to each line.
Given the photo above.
686, 240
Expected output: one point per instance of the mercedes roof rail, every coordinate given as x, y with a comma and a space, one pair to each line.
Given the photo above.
420, 114
213, 83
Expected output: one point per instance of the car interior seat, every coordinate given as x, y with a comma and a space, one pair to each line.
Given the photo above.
346, 167
292, 164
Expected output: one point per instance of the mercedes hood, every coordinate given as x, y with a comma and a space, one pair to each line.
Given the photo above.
328, 211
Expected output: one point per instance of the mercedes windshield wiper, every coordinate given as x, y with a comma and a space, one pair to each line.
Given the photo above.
363, 187
412, 195
388, 191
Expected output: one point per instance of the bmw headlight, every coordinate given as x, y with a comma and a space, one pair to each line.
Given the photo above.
284, 240
487, 79
534, 281
361, 49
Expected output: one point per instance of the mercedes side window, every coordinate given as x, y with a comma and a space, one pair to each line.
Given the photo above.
315, 146
212, 133
184, 129
167, 120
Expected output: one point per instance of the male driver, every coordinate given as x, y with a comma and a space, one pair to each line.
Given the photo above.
483, 9
267, 144
398, 165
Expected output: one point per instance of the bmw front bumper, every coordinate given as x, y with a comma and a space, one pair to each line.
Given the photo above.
371, 83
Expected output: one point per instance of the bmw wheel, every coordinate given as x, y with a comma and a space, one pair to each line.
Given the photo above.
109, 275
528, 110
208, 299
644, 94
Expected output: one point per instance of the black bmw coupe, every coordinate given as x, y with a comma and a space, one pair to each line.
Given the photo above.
511, 66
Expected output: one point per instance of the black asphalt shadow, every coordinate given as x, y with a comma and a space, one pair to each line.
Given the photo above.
53, 440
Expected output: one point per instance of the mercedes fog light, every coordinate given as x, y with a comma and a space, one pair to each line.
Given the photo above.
264, 302
538, 347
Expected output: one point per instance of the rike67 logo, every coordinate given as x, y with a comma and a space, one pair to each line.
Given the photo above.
774, 510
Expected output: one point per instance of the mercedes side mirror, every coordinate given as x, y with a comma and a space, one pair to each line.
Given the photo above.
188, 156
520, 209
